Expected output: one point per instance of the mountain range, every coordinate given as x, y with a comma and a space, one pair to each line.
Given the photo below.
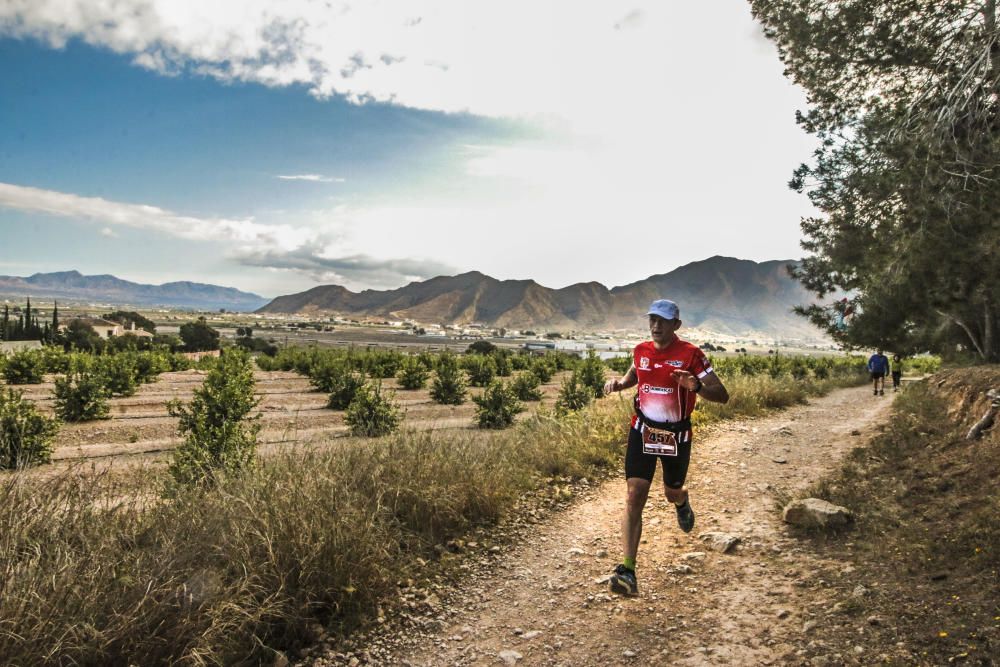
720, 294
73, 286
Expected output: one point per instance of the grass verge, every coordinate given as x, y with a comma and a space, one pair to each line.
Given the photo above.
926, 541
97, 568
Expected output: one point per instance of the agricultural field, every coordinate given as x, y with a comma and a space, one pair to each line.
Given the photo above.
292, 411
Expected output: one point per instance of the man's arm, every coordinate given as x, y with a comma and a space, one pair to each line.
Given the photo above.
711, 389
624, 382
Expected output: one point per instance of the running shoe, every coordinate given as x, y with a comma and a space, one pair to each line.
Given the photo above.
875, 392
623, 581
881, 392
685, 516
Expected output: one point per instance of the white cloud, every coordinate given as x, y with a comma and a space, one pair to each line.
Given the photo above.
108, 232
315, 178
659, 115
318, 255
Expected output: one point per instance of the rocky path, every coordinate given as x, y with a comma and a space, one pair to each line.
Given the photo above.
545, 601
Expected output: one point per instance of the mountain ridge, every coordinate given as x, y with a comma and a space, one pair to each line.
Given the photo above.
74, 286
721, 294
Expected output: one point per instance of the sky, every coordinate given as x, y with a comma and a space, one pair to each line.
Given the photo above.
275, 146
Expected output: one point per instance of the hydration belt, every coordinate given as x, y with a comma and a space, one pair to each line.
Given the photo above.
674, 427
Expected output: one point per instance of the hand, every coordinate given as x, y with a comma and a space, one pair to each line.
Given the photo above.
685, 379
612, 385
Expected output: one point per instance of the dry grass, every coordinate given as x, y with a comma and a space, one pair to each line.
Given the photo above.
98, 569
926, 502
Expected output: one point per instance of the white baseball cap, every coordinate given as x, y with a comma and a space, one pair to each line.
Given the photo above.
664, 308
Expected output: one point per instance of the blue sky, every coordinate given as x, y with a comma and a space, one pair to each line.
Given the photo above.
277, 146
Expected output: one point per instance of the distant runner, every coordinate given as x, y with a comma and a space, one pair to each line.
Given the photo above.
878, 366
671, 374
897, 371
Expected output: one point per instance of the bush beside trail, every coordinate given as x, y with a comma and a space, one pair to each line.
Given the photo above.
25, 434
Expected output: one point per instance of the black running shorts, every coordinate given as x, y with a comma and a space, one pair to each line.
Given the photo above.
877, 376
638, 464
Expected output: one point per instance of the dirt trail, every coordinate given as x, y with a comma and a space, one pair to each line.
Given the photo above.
545, 600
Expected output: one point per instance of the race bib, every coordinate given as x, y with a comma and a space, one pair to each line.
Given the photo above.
658, 442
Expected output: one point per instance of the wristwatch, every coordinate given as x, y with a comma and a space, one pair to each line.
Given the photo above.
698, 386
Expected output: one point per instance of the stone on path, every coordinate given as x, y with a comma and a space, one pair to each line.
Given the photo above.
721, 542
509, 657
814, 512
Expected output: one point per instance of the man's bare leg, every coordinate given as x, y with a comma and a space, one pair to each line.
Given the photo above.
635, 501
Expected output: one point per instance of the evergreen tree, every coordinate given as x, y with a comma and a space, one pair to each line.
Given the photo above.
905, 100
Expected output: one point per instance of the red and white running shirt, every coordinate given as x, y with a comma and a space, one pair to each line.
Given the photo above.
660, 397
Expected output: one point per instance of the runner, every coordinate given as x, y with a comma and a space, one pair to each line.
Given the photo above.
878, 366
897, 371
671, 374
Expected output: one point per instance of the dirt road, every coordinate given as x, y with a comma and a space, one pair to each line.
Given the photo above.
545, 600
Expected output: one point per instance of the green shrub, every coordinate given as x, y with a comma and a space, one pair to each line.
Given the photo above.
119, 374
573, 395
413, 374
592, 374
382, 363
24, 367
372, 413
520, 362
25, 434
481, 369
448, 387
502, 360
55, 359
543, 367
342, 385
497, 406
525, 387
619, 365
81, 396
149, 365
326, 374
220, 435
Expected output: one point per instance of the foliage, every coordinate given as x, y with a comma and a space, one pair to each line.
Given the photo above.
497, 406
372, 413
24, 367
502, 360
260, 345
481, 347
198, 336
25, 434
592, 374
81, 396
119, 374
24, 325
220, 435
619, 364
79, 335
543, 367
906, 107
413, 374
127, 318
448, 387
382, 363
525, 387
481, 369
340, 382
573, 395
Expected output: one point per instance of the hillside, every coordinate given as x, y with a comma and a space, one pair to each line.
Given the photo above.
720, 294
74, 286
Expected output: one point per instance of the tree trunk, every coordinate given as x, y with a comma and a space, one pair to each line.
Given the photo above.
988, 337
968, 332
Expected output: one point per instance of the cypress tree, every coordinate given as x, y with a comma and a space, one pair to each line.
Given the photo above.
54, 330
4, 334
